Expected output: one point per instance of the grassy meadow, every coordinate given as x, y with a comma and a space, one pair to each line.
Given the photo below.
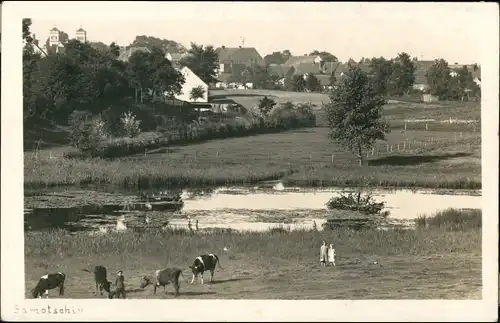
430, 262
439, 155
303, 157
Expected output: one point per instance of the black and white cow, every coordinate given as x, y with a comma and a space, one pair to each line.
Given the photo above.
101, 279
49, 281
163, 277
203, 263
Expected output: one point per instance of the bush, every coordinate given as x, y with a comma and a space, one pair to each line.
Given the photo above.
357, 201
282, 118
131, 126
452, 220
87, 135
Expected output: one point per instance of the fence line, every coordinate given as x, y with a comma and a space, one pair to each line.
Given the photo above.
378, 150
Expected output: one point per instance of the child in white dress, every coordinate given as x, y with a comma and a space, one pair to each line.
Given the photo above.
331, 255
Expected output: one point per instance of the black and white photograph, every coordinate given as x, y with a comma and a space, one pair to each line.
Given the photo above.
259, 154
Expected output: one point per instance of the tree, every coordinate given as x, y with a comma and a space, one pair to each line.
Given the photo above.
266, 105
325, 56
312, 83
438, 77
30, 59
164, 78
403, 74
138, 72
261, 78
295, 83
168, 46
381, 71
354, 114
198, 92
203, 61
275, 58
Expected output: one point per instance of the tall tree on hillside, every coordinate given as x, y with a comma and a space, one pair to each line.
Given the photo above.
203, 61
403, 74
30, 59
438, 78
138, 73
312, 83
381, 71
154, 72
59, 84
354, 114
325, 56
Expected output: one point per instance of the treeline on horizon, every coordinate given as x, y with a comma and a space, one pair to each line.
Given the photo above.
56, 85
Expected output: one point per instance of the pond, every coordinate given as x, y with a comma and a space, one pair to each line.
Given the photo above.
241, 208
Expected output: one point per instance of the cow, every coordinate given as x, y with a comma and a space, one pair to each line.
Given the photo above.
49, 281
163, 277
101, 280
203, 263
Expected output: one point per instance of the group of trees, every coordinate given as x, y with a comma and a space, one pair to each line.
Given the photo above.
394, 76
446, 86
87, 77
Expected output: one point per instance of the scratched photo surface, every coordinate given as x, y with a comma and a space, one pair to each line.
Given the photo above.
221, 157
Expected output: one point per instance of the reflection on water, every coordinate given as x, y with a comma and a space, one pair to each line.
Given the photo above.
240, 208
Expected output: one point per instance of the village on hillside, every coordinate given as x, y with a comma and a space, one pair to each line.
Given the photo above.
242, 68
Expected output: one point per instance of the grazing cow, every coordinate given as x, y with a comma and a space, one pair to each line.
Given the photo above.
163, 277
203, 263
101, 279
49, 281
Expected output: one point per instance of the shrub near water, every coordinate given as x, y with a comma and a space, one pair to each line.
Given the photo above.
452, 220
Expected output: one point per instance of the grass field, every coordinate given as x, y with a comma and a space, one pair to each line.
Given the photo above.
432, 263
443, 156
303, 157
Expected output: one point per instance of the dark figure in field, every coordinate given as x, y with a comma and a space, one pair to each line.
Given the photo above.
323, 256
120, 286
49, 281
163, 277
203, 263
101, 279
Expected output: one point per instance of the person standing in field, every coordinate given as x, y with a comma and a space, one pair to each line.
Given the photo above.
331, 255
120, 285
323, 254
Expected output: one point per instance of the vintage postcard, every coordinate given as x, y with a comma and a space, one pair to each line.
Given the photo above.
249, 161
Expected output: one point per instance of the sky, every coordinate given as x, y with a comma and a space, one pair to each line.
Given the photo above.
348, 30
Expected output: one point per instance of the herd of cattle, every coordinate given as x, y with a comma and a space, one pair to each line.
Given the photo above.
162, 277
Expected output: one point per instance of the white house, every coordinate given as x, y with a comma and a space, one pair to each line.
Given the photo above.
191, 81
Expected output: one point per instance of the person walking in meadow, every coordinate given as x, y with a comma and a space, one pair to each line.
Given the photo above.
323, 254
331, 255
120, 285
